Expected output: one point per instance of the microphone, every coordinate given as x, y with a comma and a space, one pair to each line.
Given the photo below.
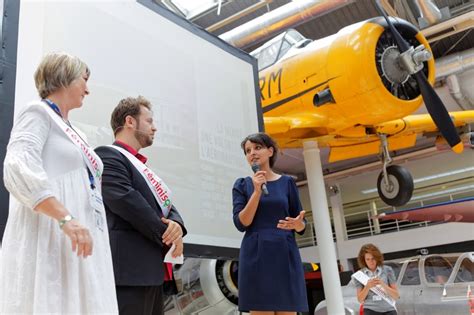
255, 169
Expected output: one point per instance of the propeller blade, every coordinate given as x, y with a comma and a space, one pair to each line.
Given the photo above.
401, 42
438, 113
433, 103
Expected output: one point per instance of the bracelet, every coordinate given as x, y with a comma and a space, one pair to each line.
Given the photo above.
65, 220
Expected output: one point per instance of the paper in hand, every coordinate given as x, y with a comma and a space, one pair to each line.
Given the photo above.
173, 260
363, 278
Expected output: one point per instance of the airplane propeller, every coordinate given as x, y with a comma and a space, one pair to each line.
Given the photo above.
433, 103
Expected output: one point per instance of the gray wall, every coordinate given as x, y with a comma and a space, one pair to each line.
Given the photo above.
8, 53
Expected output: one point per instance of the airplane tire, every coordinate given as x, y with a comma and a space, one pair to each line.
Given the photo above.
401, 188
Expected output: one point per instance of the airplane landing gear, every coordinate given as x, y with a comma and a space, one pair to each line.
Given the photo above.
395, 188
395, 183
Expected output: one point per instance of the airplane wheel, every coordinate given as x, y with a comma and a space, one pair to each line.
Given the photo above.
400, 188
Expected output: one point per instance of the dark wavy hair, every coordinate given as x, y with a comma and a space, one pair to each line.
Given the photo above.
264, 140
369, 249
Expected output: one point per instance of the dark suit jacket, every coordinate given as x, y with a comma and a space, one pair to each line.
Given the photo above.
133, 219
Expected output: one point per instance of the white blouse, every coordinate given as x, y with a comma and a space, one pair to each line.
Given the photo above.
39, 272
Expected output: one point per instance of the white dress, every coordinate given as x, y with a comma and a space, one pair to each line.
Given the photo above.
39, 272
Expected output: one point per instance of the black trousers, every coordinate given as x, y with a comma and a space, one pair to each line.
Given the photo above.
370, 312
134, 300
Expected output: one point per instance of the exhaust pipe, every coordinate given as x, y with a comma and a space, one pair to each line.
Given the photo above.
323, 97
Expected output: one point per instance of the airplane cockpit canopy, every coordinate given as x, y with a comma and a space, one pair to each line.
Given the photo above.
277, 47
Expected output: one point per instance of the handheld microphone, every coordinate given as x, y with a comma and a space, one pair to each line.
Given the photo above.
255, 169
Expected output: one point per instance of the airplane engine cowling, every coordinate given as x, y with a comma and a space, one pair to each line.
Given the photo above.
222, 273
365, 75
209, 287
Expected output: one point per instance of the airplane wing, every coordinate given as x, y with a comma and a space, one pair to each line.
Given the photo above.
424, 123
458, 211
292, 130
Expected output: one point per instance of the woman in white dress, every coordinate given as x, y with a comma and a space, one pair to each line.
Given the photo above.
55, 256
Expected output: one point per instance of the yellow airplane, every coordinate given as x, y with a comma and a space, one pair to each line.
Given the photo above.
353, 92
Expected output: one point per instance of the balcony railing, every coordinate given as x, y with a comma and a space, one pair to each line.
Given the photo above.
360, 222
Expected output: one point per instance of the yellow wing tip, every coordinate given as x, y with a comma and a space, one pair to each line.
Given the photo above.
458, 148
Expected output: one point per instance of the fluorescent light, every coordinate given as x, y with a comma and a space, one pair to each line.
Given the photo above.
426, 178
461, 170
442, 192
369, 191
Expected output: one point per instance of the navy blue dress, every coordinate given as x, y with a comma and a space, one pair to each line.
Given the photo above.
271, 276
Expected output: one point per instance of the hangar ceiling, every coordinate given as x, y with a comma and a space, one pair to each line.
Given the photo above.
329, 23
222, 16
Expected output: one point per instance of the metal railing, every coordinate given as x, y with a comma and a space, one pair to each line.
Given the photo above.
360, 222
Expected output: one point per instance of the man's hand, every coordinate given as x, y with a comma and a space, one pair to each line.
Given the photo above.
173, 231
178, 251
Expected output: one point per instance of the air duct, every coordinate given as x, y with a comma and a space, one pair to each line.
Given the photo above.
454, 63
457, 92
430, 14
449, 68
280, 19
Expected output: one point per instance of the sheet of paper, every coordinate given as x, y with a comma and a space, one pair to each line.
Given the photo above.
363, 278
169, 259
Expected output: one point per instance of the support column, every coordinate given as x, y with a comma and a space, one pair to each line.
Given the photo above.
373, 210
322, 224
339, 221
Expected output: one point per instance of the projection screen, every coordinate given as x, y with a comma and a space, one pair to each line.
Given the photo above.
203, 90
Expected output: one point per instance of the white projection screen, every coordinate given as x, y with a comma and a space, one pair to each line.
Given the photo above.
204, 94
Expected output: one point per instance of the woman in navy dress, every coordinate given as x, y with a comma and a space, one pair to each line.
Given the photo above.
271, 278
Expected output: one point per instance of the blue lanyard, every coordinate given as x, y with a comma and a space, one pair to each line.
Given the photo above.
53, 106
57, 111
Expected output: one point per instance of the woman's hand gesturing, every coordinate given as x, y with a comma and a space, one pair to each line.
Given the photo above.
297, 224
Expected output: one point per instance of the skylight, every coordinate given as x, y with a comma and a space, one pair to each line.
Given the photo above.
192, 8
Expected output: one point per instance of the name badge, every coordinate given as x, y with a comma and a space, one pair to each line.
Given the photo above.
98, 208
376, 298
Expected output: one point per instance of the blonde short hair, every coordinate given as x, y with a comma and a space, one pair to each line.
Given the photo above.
58, 70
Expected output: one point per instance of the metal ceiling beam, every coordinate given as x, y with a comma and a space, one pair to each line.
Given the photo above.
238, 15
280, 19
388, 8
449, 27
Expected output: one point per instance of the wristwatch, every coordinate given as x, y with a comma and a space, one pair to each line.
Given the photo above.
65, 220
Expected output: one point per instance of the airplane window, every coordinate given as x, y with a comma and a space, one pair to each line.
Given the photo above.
465, 272
276, 48
438, 269
285, 46
269, 55
294, 36
412, 274
396, 268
